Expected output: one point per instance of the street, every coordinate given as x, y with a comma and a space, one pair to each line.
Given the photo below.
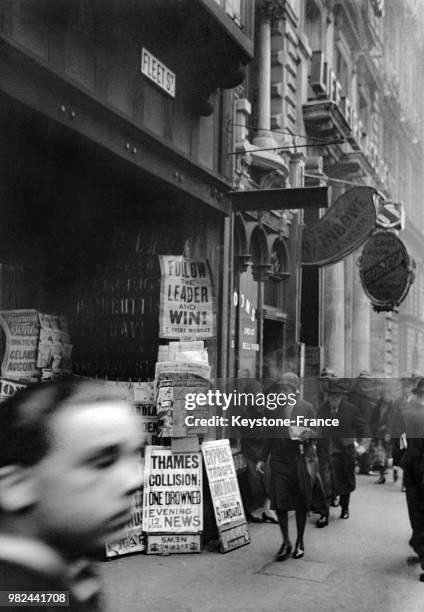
353, 565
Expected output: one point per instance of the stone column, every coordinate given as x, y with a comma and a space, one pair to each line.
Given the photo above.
267, 10
333, 317
361, 330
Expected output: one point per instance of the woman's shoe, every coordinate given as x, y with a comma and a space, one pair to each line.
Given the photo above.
268, 517
299, 550
255, 519
284, 552
344, 514
322, 521
380, 480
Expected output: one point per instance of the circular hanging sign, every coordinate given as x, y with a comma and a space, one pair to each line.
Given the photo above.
386, 270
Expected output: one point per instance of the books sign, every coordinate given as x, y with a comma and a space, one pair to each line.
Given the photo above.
346, 225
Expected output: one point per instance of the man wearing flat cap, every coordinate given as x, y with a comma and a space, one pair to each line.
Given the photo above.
339, 441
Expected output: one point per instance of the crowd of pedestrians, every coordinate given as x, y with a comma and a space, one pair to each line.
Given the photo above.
380, 429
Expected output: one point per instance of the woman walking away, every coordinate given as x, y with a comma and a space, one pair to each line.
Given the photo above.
287, 480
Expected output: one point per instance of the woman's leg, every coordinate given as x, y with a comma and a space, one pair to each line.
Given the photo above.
283, 521
301, 516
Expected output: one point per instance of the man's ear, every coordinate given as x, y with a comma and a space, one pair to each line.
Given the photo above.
17, 488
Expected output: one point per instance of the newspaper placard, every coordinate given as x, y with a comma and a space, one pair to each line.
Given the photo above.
145, 409
173, 500
177, 380
9, 388
182, 543
226, 499
133, 540
22, 329
54, 350
186, 298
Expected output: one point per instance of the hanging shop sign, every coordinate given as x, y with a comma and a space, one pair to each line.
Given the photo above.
157, 72
225, 493
346, 225
186, 298
386, 270
173, 501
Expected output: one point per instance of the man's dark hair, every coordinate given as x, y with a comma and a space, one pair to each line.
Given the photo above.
25, 436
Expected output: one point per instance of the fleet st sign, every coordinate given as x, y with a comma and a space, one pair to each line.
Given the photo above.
157, 72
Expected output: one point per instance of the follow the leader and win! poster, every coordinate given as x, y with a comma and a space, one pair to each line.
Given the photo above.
186, 298
173, 501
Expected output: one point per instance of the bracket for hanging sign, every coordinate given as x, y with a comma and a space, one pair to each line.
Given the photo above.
280, 199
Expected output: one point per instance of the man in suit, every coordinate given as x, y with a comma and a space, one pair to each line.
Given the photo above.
69, 466
338, 442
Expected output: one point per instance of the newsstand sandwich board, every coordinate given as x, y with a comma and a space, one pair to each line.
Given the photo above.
140, 395
172, 501
225, 493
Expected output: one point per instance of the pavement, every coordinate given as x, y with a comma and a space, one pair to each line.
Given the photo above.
352, 565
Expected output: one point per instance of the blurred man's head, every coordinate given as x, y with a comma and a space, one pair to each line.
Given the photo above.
69, 464
337, 388
290, 383
408, 383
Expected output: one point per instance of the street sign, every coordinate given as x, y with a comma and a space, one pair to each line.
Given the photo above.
386, 270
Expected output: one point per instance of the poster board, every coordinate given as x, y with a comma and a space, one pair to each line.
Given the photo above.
37, 346
225, 493
175, 380
186, 298
133, 539
22, 330
141, 396
173, 498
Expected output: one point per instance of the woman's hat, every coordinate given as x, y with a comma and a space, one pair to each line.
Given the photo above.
291, 380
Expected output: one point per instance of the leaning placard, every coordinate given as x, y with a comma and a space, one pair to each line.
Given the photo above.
132, 539
173, 500
225, 492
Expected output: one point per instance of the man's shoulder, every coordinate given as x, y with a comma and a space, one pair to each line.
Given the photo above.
303, 406
348, 407
14, 576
